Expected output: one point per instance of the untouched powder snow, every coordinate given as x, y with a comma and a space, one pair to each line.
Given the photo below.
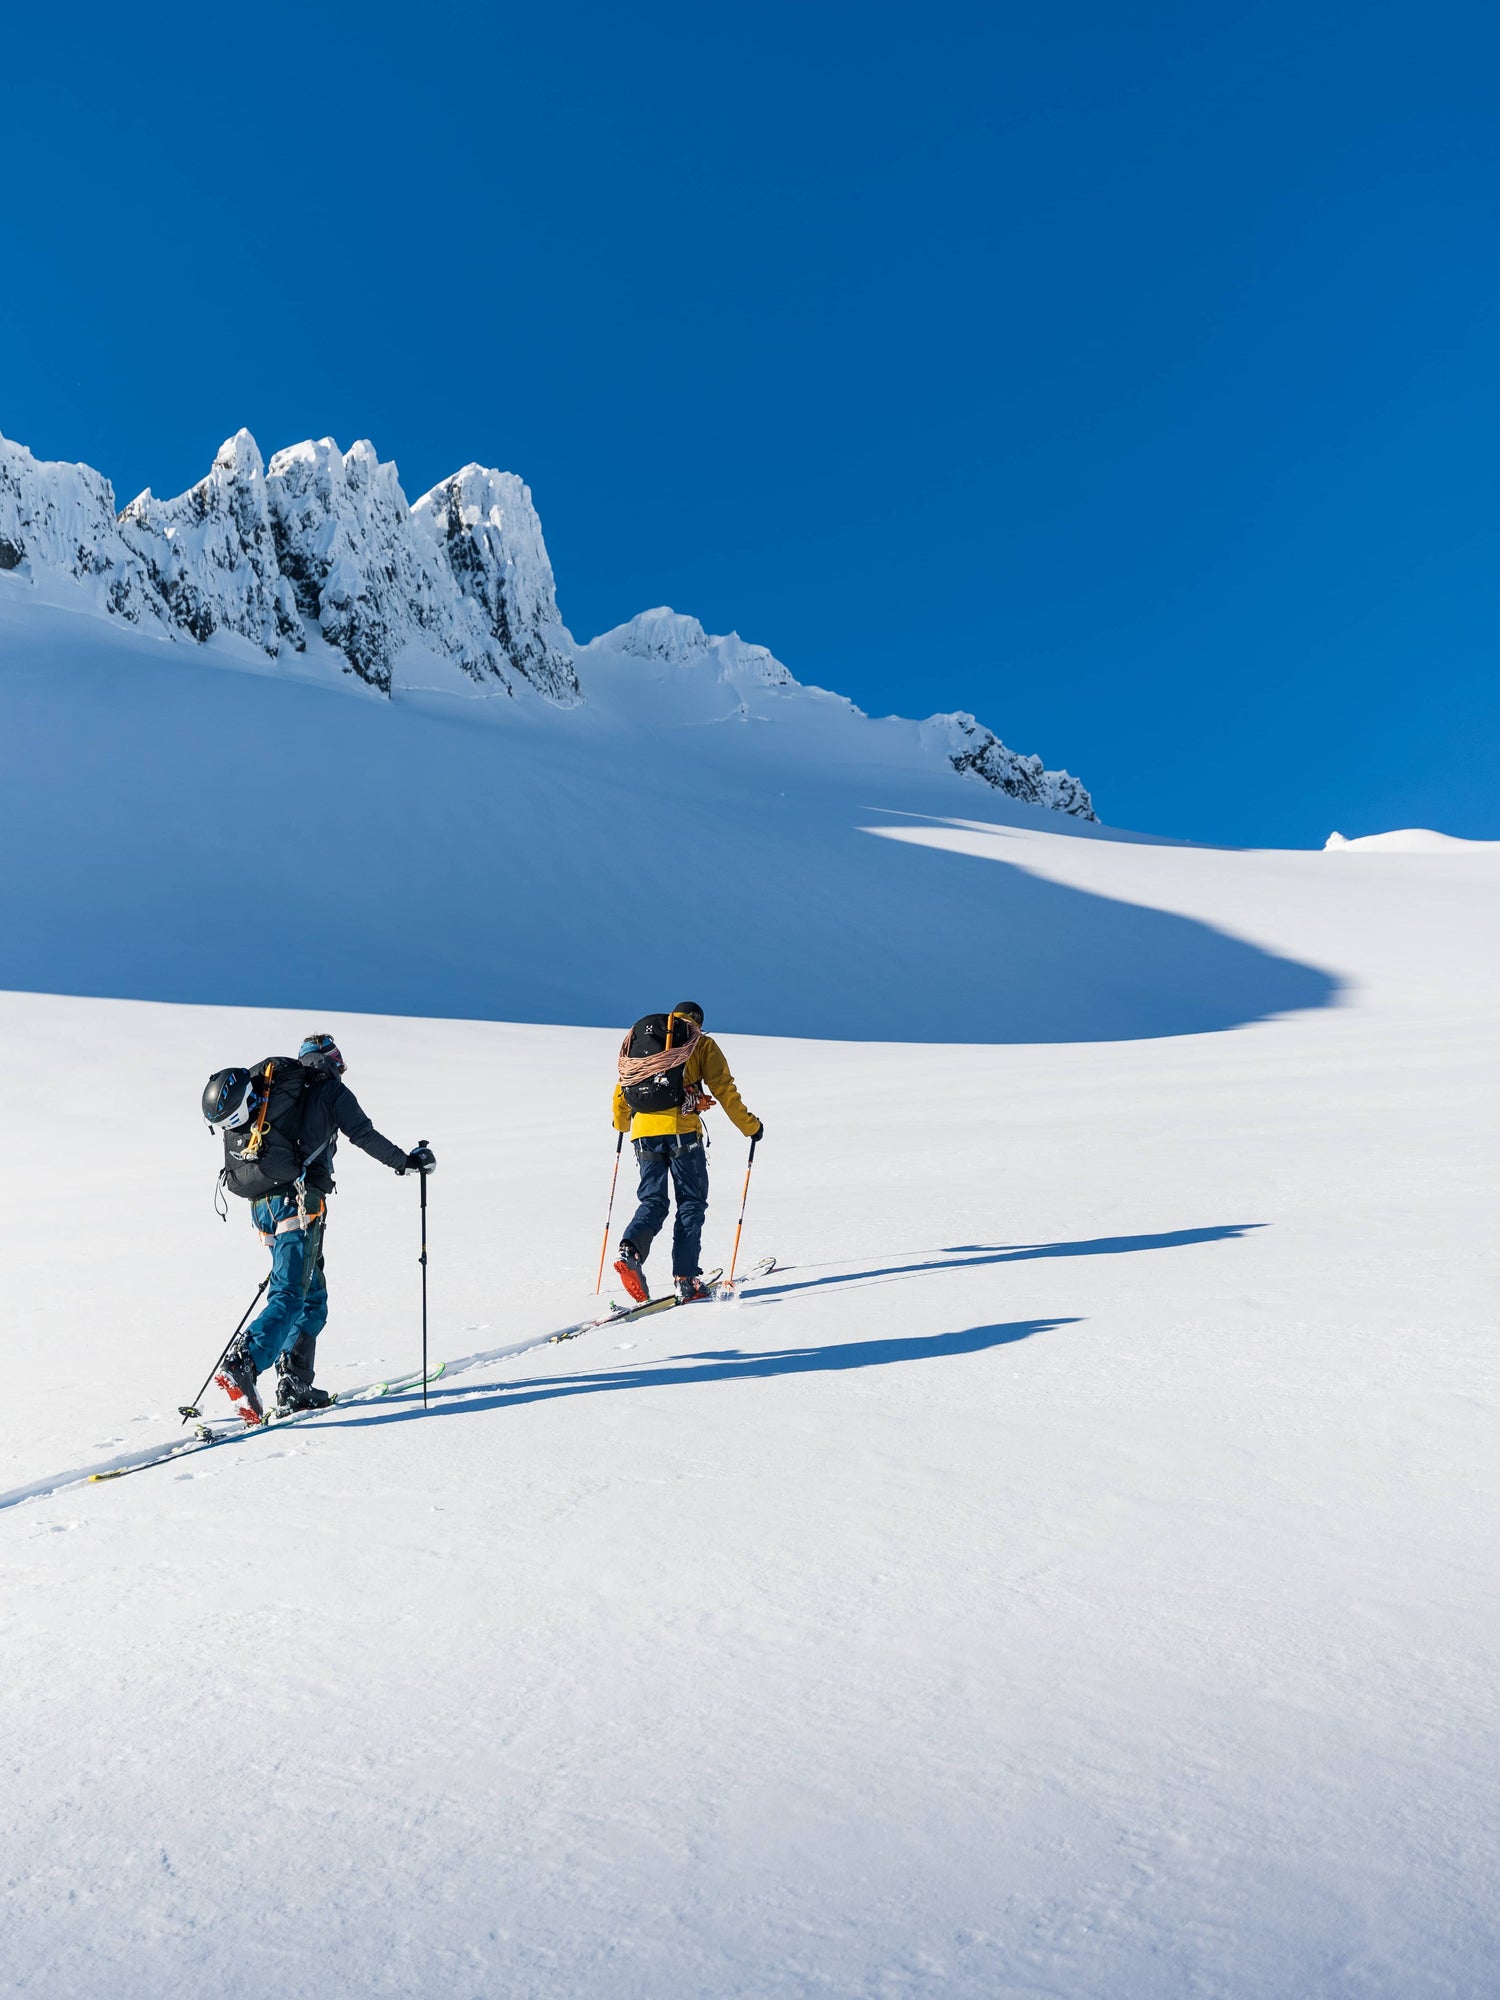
1072, 1572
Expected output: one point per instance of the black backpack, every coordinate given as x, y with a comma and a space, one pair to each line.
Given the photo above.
265, 1157
649, 1038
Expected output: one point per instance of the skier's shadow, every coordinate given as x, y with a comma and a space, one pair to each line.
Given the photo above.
716, 1365
965, 1256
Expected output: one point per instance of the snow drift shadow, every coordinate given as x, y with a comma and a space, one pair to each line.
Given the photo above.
964, 1256
345, 856
722, 1365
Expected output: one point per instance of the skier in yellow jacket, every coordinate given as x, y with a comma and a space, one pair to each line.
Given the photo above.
687, 1076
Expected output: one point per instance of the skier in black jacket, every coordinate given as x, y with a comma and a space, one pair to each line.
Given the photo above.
291, 1225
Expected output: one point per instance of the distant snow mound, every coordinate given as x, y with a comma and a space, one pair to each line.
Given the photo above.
701, 664
662, 634
1405, 840
677, 640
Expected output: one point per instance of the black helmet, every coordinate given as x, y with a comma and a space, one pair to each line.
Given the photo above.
691, 1009
321, 1052
229, 1099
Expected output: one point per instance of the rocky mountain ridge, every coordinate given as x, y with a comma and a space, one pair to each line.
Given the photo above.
321, 548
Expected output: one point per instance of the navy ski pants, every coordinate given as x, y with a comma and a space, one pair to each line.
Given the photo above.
679, 1156
293, 1317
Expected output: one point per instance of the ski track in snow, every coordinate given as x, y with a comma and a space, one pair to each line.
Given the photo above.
1080, 1580
148, 1456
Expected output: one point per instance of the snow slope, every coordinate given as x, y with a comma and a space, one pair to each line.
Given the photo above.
1073, 1573
221, 835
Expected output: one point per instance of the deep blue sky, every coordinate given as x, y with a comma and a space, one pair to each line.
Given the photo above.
1126, 374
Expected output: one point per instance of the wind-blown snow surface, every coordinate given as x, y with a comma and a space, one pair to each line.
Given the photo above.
1073, 1574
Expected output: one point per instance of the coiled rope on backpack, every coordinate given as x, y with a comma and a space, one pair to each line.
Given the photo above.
638, 1069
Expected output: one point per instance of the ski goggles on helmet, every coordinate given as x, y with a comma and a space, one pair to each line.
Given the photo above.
322, 1052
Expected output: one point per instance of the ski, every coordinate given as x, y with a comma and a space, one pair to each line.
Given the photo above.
730, 1286
206, 1435
719, 1289
397, 1383
616, 1315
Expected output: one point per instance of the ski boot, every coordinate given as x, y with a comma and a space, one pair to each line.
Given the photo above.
690, 1291
293, 1394
236, 1377
631, 1276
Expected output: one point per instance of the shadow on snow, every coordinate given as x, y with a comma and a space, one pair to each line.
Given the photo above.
720, 1365
826, 931
734, 1365
964, 1256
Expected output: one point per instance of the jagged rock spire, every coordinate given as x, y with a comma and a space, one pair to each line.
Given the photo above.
322, 540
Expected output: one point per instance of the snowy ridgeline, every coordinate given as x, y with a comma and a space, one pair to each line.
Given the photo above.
321, 550
323, 540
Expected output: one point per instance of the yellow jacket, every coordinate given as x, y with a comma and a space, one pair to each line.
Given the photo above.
708, 1071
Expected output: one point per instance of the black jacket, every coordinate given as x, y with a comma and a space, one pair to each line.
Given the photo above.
331, 1108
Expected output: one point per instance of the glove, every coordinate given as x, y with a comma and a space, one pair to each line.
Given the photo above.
420, 1160
760, 1132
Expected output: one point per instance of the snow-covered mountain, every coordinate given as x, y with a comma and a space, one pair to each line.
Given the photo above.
321, 554
320, 545
290, 679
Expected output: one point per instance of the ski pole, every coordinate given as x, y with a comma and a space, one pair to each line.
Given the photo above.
744, 1197
423, 1260
609, 1212
188, 1410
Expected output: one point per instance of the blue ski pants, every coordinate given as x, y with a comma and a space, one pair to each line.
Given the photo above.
295, 1311
680, 1158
